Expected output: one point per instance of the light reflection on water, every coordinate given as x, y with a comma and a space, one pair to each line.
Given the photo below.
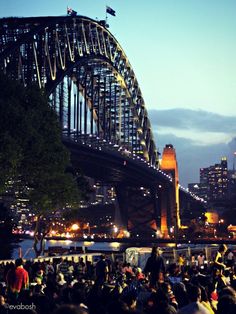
26, 246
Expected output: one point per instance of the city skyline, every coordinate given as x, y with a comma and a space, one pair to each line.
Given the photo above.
183, 56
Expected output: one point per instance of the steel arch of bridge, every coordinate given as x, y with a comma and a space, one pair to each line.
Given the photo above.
87, 76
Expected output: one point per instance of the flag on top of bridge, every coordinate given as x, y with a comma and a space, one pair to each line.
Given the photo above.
71, 12
111, 11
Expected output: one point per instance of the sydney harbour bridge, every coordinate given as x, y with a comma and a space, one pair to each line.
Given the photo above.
92, 86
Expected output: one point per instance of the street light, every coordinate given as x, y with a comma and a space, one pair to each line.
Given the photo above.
75, 227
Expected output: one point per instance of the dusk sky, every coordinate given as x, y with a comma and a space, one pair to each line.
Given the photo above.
183, 53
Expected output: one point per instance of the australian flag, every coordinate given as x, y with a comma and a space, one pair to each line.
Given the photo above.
111, 11
71, 12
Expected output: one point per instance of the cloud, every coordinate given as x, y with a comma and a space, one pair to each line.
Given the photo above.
187, 119
201, 138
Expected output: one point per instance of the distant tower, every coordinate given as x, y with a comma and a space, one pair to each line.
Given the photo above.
169, 165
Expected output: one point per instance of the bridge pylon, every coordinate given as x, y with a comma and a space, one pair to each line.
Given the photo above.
171, 217
138, 210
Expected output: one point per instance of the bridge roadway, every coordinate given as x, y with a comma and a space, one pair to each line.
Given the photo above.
112, 165
142, 190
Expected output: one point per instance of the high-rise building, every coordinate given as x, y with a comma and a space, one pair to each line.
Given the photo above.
213, 184
204, 186
232, 185
218, 180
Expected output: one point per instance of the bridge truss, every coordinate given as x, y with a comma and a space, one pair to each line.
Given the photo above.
87, 76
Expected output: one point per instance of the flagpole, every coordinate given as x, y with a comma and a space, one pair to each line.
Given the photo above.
106, 15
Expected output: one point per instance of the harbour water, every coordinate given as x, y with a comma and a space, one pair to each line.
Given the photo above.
26, 246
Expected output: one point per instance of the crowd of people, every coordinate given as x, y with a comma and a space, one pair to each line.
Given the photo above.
116, 287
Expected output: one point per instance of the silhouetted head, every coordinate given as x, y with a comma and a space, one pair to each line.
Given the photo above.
226, 304
19, 262
154, 251
71, 309
194, 293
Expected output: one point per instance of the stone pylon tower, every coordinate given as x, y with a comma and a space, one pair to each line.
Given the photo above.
170, 215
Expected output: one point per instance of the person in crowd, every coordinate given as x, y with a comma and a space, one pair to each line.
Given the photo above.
61, 279
71, 309
230, 258
71, 270
219, 267
181, 261
101, 270
89, 270
154, 266
161, 292
127, 269
193, 260
3, 309
139, 274
81, 268
17, 279
39, 276
205, 300
174, 274
180, 293
167, 289
63, 268
49, 268
219, 258
158, 303
194, 306
226, 305
201, 260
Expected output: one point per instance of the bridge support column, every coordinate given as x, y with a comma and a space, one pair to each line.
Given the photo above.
138, 210
164, 205
122, 206
168, 210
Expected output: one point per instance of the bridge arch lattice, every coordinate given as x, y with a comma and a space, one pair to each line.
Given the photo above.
87, 76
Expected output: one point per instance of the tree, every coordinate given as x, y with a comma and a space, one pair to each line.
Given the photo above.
6, 237
31, 149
